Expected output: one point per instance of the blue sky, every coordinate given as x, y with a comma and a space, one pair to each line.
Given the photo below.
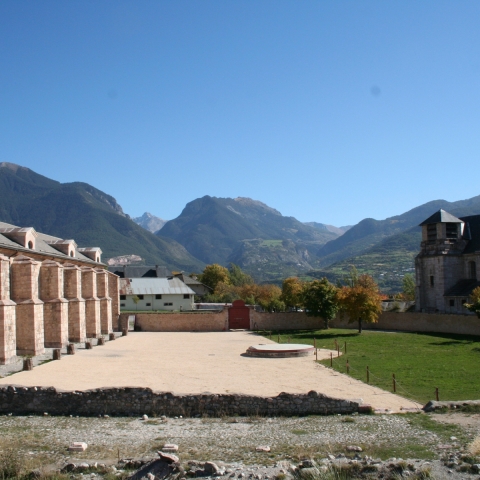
329, 111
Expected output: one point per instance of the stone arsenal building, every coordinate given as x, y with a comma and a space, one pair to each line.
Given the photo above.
448, 265
51, 293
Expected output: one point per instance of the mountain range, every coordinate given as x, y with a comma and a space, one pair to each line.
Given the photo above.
240, 230
89, 216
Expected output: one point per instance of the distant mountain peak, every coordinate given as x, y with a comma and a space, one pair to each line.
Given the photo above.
249, 202
150, 222
11, 166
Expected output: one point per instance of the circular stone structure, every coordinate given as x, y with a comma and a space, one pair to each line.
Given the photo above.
277, 350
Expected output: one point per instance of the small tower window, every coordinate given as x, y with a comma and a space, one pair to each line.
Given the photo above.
432, 281
452, 230
472, 270
431, 232
30, 245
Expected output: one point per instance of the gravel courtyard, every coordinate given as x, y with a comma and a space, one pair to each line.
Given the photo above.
193, 363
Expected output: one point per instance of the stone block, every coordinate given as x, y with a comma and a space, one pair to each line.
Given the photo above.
78, 447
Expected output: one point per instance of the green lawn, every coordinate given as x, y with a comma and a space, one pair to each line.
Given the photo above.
420, 361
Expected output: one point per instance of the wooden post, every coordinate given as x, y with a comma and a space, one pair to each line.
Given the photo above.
368, 375
436, 394
336, 344
338, 350
314, 343
331, 359
394, 383
345, 347
316, 355
348, 367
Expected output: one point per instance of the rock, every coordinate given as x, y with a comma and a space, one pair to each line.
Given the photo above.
69, 467
476, 467
170, 447
150, 476
83, 466
34, 475
307, 464
331, 457
263, 448
145, 417
168, 457
78, 447
354, 448
211, 468
453, 438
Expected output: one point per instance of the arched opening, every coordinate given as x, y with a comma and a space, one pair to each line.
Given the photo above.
30, 245
98, 259
472, 270
71, 253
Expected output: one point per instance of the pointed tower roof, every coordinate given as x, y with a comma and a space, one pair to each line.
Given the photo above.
441, 217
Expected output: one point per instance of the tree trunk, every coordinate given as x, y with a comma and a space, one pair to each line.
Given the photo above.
325, 323
359, 325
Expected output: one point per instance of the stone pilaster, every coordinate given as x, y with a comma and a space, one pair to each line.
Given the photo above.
24, 291
8, 334
77, 327
55, 306
92, 302
105, 301
114, 294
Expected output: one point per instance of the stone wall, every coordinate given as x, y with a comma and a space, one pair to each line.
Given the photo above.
419, 322
139, 401
283, 321
180, 322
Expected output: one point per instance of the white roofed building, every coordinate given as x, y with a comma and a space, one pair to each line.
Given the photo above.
151, 294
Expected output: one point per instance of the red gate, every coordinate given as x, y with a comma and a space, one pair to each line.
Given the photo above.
239, 316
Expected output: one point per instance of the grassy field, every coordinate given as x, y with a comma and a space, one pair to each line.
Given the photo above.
420, 361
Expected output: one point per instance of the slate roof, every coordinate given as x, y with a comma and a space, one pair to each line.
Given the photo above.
154, 286
140, 271
441, 217
462, 288
189, 280
41, 246
472, 233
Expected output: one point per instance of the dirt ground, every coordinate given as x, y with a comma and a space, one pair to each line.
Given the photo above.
201, 362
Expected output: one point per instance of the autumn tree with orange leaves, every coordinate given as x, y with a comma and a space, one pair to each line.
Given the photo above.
361, 300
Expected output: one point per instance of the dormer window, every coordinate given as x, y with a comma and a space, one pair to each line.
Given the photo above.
23, 236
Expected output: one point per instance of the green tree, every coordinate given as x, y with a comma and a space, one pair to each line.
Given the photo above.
238, 277
408, 287
292, 290
320, 300
362, 301
135, 301
475, 305
214, 274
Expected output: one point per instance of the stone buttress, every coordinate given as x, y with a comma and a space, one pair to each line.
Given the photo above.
55, 306
24, 290
114, 294
92, 302
105, 301
77, 327
8, 334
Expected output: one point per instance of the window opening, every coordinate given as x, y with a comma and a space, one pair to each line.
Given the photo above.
432, 281
452, 230
431, 232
